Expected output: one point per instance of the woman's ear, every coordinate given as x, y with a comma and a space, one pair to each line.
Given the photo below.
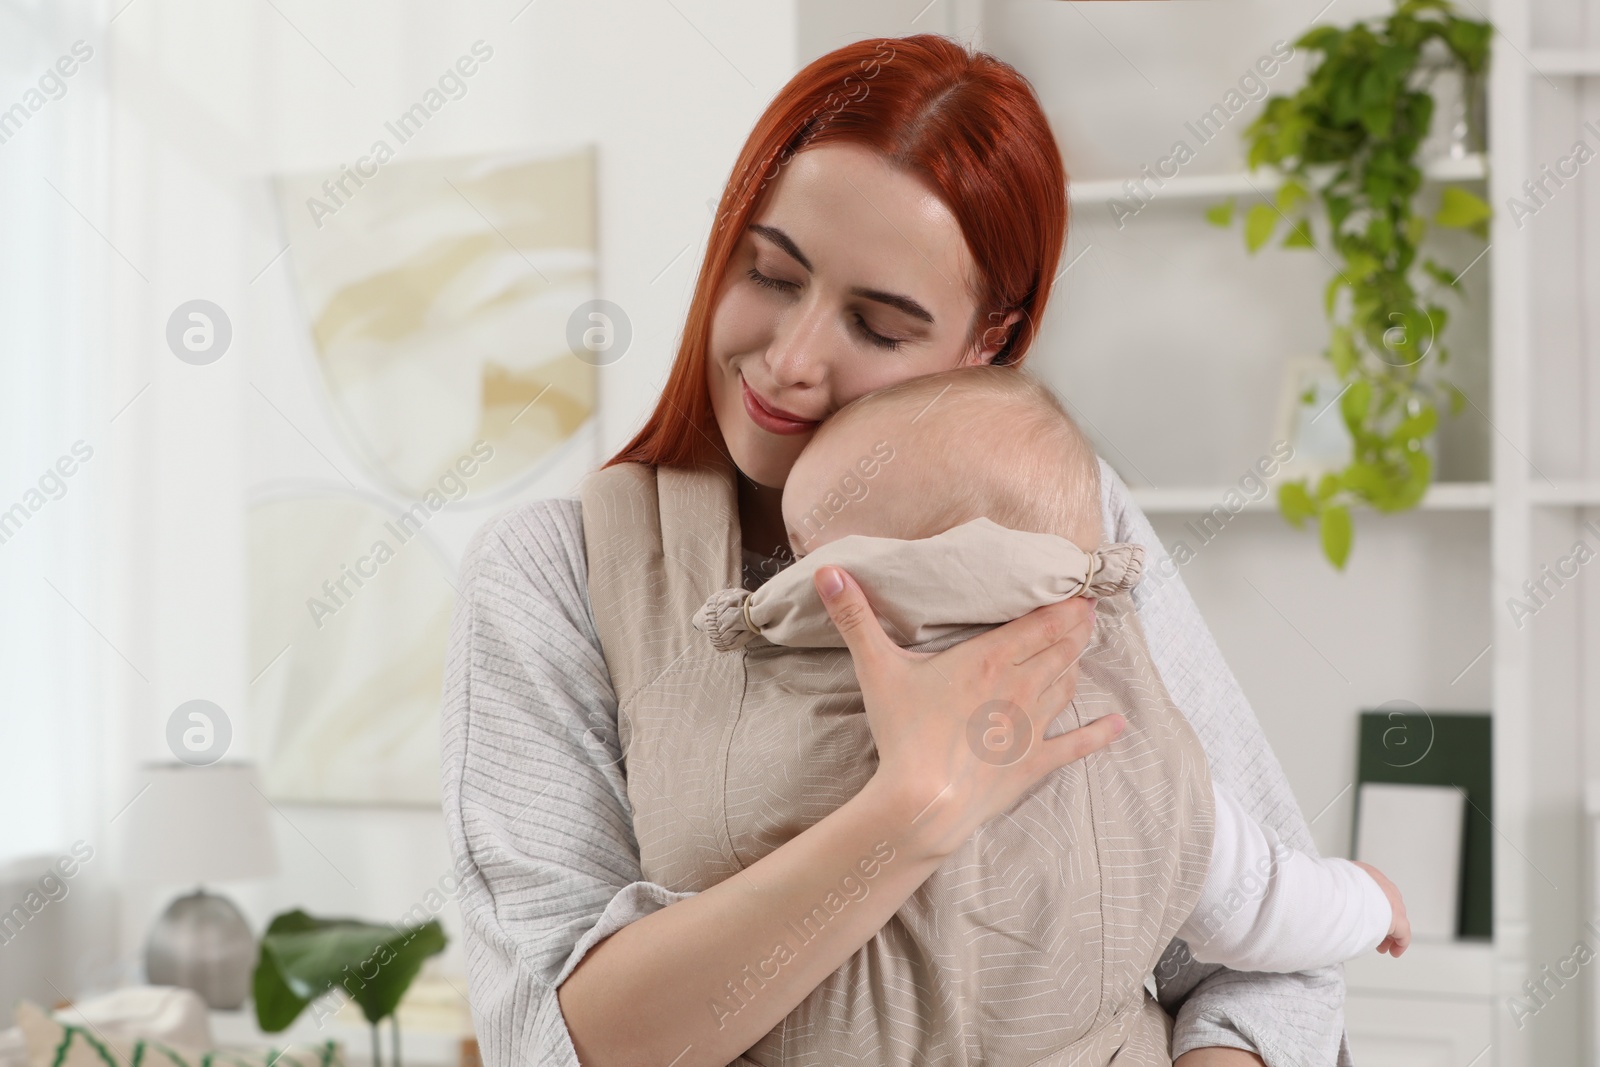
994, 336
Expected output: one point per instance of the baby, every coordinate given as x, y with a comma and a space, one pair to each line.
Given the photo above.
961, 500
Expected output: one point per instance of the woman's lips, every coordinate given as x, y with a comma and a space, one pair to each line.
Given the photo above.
768, 419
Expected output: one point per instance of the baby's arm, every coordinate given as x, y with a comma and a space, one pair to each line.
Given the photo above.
1267, 907
1400, 929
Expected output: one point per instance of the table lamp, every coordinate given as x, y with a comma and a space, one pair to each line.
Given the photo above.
195, 825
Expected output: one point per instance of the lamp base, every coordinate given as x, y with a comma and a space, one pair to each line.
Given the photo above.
203, 943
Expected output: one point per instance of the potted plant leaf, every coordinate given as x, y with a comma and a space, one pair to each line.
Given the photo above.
303, 958
1345, 145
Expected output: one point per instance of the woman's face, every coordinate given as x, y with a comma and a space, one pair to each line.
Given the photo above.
852, 276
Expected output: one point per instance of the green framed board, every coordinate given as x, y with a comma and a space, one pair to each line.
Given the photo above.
1403, 744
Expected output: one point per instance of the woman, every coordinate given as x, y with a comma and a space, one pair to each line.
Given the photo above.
899, 209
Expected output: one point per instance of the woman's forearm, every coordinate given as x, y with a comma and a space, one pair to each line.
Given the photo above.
1218, 1057
702, 980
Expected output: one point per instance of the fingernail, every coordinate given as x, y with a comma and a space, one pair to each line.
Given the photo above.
829, 583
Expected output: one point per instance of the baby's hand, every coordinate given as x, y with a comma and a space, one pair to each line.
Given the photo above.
1400, 926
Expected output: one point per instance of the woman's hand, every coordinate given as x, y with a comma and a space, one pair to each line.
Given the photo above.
960, 733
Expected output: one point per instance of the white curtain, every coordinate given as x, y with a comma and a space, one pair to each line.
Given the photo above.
56, 434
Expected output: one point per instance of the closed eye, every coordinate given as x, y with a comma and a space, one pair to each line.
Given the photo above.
872, 336
766, 282
876, 338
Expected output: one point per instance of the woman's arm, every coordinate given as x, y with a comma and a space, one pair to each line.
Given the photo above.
700, 981
535, 800
534, 797
1218, 1057
1289, 1019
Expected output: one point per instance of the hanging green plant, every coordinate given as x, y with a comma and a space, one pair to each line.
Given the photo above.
1345, 145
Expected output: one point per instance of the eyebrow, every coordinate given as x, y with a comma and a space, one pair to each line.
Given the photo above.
894, 300
783, 241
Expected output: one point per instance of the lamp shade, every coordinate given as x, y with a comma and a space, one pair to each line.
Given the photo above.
190, 825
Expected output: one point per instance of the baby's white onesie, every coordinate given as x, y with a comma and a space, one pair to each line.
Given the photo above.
1267, 907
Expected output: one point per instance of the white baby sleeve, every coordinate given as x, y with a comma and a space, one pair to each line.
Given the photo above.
1267, 907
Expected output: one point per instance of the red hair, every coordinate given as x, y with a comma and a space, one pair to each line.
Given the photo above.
964, 122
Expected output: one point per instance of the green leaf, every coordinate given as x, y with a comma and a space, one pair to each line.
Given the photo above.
1381, 233
1377, 117
1458, 399
1295, 503
1361, 265
1337, 532
277, 1006
1356, 401
1402, 339
1291, 194
1417, 426
1331, 294
1416, 228
1260, 152
1339, 208
1323, 38
1438, 318
1220, 214
303, 957
1327, 486
1470, 41
1258, 225
1342, 352
1299, 236
1460, 209
1409, 490
1440, 274
1367, 481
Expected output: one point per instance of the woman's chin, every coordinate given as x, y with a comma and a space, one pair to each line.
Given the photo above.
761, 467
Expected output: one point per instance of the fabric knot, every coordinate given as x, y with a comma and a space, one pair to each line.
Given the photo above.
1118, 566
725, 619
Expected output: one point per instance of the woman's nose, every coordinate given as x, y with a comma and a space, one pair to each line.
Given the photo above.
802, 346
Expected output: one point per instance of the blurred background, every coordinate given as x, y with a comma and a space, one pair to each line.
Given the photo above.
294, 297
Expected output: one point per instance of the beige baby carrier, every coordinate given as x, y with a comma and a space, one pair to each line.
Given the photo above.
1030, 945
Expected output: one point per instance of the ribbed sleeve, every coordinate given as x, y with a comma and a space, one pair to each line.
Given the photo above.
532, 781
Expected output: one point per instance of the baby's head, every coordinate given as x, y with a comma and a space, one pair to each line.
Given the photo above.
919, 457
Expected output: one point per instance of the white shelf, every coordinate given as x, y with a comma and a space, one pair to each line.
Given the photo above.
1428, 968
1101, 191
1566, 61
1198, 500
1565, 494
